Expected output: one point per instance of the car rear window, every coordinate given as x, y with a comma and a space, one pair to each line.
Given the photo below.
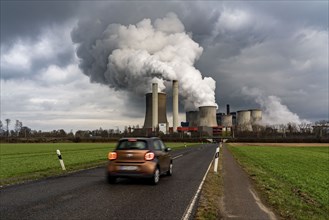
132, 145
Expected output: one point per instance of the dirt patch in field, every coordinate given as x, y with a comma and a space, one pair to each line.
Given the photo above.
282, 144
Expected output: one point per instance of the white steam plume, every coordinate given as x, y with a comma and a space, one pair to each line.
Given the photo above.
131, 57
274, 112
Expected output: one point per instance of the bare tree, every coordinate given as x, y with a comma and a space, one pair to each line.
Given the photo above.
8, 122
322, 122
283, 129
305, 128
25, 132
321, 128
2, 131
18, 127
292, 128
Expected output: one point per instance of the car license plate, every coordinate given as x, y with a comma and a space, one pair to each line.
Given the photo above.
128, 168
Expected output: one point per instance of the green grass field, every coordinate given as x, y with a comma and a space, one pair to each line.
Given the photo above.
293, 180
32, 161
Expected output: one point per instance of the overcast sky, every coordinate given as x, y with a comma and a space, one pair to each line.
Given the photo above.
262, 54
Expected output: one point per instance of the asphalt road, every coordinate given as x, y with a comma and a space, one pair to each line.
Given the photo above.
87, 195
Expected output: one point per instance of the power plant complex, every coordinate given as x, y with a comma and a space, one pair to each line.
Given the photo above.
206, 119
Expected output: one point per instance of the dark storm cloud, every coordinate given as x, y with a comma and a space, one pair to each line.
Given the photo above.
24, 19
310, 13
285, 37
26, 58
32, 32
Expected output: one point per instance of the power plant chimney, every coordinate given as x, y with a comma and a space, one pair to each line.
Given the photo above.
175, 104
227, 109
155, 122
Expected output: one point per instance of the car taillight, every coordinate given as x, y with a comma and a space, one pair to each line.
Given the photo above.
112, 156
149, 156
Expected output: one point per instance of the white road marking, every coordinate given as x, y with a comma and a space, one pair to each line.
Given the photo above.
188, 211
262, 206
178, 156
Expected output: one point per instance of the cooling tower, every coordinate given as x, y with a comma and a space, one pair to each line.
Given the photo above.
226, 120
192, 118
175, 105
255, 116
207, 116
162, 115
243, 120
154, 106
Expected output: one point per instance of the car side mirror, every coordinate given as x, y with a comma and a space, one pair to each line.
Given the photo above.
168, 149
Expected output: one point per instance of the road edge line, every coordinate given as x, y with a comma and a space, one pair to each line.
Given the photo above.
177, 156
262, 206
188, 211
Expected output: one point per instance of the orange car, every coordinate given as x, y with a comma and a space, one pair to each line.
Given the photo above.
141, 158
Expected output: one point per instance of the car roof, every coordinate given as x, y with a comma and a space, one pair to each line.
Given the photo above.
140, 138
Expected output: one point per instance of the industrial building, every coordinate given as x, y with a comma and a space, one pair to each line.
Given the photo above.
243, 120
206, 119
156, 114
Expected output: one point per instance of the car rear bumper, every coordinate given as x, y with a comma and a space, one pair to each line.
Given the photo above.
131, 170
131, 175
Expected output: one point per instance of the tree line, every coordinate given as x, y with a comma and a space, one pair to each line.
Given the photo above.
24, 132
319, 129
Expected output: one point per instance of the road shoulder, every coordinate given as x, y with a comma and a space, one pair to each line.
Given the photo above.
240, 200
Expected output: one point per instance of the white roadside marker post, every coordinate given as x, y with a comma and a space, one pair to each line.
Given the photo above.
216, 158
60, 159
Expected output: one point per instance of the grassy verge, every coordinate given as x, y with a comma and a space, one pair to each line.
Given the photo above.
293, 180
21, 162
212, 190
